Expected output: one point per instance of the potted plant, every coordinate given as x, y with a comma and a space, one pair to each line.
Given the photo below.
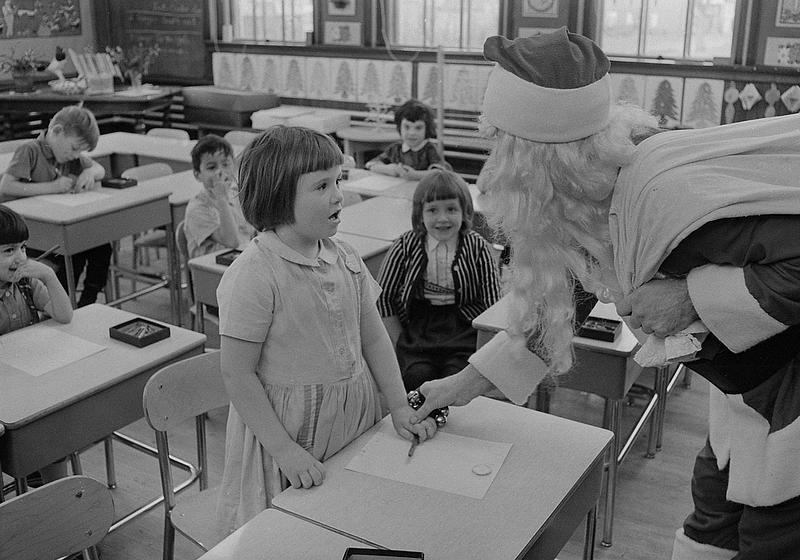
21, 67
134, 62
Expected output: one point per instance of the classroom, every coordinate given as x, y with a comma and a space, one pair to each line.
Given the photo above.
357, 279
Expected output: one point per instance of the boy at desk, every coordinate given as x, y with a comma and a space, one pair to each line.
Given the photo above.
415, 155
214, 218
54, 163
27, 287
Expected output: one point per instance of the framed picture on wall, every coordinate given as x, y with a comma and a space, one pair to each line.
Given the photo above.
540, 8
342, 7
788, 13
342, 33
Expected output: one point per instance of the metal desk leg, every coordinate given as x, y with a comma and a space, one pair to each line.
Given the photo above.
588, 541
71, 287
612, 420
174, 273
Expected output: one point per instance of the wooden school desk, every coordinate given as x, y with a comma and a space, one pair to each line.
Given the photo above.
276, 535
206, 273
360, 139
605, 369
380, 217
47, 417
126, 101
548, 483
78, 228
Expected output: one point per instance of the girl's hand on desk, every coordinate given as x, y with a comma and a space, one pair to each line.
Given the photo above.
455, 390
404, 171
300, 467
401, 419
34, 269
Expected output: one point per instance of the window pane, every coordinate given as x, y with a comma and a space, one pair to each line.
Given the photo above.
407, 23
712, 28
666, 29
272, 20
453, 24
619, 28
483, 22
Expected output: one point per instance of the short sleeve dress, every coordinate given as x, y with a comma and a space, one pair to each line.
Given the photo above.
306, 313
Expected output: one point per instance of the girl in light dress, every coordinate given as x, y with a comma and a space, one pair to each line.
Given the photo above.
304, 351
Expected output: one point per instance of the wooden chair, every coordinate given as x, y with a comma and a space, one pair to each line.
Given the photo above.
240, 137
57, 519
176, 133
176, 393
198, 315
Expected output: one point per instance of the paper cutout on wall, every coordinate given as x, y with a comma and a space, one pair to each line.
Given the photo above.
702, 102
294, 81
345, 78
665, 98
318, 78
223, 66
629, 88
370, 76
247, 72
271, 74
791, 99
771, 96
428, 83
731, 96
782, 51
749, 96
398, 86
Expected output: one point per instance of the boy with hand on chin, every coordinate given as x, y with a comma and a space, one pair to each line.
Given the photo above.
55, 163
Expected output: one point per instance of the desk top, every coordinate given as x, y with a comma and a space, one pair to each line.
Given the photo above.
144, 145
275, 535
549, 458
121, 101
24, 397
43, 210
381, 217
495, 319
369, 134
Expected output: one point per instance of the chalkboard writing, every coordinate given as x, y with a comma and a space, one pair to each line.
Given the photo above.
178, 26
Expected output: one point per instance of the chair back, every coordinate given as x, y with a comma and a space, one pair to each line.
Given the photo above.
57, 519
176, 133
184, 390
240, 137
148, 171
183, 255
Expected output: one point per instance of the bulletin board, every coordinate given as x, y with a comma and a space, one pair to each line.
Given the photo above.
39, 18
180, 27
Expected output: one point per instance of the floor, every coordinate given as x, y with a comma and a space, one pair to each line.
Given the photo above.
652, 499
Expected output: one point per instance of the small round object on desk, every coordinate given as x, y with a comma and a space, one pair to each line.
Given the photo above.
482, 469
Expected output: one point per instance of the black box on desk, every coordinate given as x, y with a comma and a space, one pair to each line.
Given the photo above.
139, 332
600, 329
228, 107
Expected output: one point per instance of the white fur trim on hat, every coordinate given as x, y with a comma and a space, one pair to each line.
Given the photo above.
541, 114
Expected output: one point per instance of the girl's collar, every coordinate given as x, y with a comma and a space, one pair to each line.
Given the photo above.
327, 250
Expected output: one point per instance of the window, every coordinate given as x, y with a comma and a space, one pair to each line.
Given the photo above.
453, 24
677, 29
281, 21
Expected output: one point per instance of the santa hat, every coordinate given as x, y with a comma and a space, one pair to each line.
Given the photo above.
552, 87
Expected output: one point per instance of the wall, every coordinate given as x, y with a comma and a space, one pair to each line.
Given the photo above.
45, 47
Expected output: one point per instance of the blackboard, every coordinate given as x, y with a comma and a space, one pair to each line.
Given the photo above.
178, 26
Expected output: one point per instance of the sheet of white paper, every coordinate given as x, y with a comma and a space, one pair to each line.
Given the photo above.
76, 199
374, 182
138, 92
25, 352
443, 463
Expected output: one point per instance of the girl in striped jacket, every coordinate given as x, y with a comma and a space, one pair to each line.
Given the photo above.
436, 279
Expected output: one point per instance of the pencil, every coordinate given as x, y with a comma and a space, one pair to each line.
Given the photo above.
48, 252
414, 444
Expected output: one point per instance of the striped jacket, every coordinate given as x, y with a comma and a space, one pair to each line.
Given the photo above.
475, 275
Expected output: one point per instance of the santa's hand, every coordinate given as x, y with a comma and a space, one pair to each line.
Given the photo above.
661, 307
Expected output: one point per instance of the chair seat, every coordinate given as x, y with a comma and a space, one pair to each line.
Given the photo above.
153, 238
195, 517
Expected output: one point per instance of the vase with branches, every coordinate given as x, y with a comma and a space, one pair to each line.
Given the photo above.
134, 61
21, 67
